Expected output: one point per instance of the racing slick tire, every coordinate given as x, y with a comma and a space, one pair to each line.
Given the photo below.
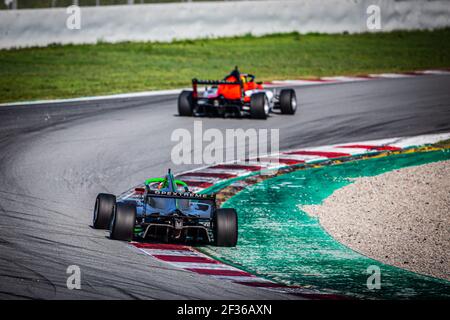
259, 106
225, 228
123, 222
103, 210
288, 101
185, 104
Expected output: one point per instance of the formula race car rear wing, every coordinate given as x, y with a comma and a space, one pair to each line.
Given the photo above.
196, 82
213, 82
181, 195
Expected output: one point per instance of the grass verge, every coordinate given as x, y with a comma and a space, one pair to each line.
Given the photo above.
81, 70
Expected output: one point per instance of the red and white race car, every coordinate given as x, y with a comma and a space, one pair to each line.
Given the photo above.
237, 94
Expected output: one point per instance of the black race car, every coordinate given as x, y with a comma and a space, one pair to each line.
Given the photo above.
165, 210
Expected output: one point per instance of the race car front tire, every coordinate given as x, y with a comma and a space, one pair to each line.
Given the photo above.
123, 222
288, 101
225, 227
259, 106
185, 104
103, 210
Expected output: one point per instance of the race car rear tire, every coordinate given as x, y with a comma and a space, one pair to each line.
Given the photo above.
185, 104
123, 222
288, 101
259, 106
225, 228
103, 210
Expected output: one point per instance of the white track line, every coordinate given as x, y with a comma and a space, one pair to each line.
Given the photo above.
435, 72
345, 79
392, 75
154, 252
212, 266
96, 98
420, 140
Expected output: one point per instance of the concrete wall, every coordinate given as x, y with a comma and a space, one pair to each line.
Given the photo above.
165, 22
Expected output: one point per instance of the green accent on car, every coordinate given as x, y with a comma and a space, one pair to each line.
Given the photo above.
279, 241
164, 180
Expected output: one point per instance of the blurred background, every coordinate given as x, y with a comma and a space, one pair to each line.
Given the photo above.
117, 46
37, 4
